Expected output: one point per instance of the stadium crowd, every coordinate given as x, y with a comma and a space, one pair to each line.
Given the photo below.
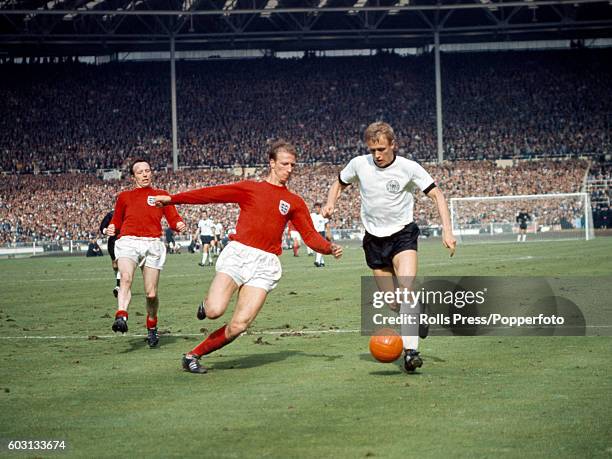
71, 116
61, 207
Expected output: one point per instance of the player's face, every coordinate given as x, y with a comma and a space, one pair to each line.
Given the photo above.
282, 167
142, 174
382, 150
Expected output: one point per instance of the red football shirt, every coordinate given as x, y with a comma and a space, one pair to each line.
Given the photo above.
136, 214
264, 212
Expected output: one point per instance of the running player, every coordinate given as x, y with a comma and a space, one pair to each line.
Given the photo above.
249, 264
137, 224
390, 243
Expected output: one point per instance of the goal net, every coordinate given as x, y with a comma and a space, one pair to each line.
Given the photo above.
545, 217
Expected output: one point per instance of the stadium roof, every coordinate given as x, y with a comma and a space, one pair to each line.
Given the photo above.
96, 27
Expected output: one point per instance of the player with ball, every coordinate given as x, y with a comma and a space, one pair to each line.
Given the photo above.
385, 183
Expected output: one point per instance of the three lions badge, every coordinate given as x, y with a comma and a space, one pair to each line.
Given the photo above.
283, 207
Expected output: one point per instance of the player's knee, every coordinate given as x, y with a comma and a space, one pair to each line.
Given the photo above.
236, 327
126, 279
214, 309
151, 295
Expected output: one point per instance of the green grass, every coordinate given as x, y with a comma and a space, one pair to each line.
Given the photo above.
318, 394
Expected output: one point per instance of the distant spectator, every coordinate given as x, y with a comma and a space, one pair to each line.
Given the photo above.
93, 249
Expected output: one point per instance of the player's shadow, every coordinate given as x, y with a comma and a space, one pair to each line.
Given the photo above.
140, 342
257, 360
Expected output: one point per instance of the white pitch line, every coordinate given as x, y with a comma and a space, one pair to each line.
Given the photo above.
184, 335
289, 332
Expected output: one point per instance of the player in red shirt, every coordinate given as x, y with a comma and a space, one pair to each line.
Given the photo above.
138, 222
249, 263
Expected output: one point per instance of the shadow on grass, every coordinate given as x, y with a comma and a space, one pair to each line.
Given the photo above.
399, 363
386, 372
368, 357
257, 360
139, 343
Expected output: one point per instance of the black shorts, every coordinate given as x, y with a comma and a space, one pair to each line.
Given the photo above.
322, 233
379, 251
523, 226
206, 239
111, 247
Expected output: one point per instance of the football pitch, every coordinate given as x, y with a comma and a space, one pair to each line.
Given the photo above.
301, 383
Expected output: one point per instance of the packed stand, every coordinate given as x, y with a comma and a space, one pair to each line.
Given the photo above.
62, 207
71, 116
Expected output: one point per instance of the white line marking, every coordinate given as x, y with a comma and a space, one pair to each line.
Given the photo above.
182, 335
255, 333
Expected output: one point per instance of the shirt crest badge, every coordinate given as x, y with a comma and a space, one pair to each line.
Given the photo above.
151, 201
283, 207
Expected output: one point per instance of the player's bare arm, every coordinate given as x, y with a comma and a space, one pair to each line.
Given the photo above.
180, 227
448, 240
332, 196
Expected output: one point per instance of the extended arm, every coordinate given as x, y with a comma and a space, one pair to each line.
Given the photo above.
447, 232
234, 192
174, 219
303, 223
332, 197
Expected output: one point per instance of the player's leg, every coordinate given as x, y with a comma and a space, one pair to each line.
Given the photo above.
204, 250
250, 301
214, 305
150, 277
155, 258
126, 267
385, 282
217, 298
405, 265
117, 277
113, 257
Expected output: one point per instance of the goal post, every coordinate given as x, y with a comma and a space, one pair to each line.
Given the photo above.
550, 217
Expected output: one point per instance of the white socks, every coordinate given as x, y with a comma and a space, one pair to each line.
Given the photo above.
410, 333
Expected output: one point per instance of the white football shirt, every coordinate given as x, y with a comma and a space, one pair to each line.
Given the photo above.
386, 192
319, 221
206, 227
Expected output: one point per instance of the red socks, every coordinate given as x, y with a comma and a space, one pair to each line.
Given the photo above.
151, 323
216, 340
121, 314
295, 250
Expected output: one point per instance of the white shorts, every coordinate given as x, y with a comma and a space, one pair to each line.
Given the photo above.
250, 266
144, 251
295, 235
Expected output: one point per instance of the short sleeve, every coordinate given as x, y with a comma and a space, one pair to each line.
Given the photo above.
421, 178
349, 173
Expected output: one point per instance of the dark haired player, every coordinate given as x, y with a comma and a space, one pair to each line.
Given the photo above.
249, 264
137, 222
